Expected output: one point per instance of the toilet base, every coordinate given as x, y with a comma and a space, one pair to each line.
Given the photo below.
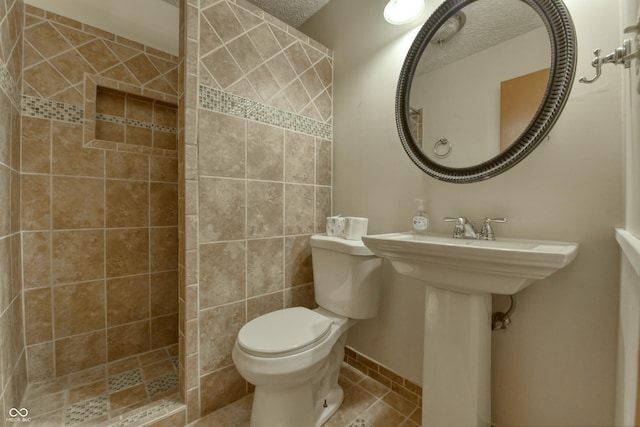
283, 406
329, 405
309, 403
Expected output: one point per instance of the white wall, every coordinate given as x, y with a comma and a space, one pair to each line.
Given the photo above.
556, 365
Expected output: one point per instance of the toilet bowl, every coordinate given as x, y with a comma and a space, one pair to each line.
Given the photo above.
293, 355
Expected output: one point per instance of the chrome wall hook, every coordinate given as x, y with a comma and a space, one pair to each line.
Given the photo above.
623, 55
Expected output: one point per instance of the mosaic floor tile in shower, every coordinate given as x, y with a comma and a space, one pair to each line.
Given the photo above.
106, 392
367, 403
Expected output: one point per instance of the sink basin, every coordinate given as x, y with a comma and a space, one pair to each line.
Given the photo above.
502, 266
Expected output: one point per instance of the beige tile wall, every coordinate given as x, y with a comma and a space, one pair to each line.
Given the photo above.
257, 169
13, 377
100, 218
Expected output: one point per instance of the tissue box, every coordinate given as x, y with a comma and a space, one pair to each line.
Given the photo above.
355, 227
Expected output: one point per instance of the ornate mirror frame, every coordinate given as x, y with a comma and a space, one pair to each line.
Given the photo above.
562, 40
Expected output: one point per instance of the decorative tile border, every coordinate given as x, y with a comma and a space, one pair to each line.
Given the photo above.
86, 410
163, 383
136, 123
216, 100
54, 110
405, 388
9, 87
125, 380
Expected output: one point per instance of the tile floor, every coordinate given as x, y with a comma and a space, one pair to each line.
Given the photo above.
106, 392
367, 403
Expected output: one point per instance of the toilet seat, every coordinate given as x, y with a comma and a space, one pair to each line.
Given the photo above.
283, 332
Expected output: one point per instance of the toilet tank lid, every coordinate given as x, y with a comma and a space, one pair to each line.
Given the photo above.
351, 247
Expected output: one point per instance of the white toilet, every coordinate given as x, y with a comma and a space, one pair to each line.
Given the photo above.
293, 356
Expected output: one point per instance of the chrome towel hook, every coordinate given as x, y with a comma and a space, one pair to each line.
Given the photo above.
622, 55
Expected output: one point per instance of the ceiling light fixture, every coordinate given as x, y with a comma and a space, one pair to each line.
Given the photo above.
449, 29
399, 12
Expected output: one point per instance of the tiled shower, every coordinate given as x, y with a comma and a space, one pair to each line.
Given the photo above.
151, 205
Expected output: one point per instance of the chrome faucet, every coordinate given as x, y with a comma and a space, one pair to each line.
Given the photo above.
464, 229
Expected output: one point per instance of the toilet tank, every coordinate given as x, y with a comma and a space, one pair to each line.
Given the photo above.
346, 276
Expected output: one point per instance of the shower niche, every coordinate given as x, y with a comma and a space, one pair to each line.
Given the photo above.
131, 122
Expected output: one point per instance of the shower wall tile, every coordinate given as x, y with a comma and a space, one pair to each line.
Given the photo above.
127, 299
36, 202
127, 251
130, 166
222, 281
224, 200
36, 254
324, 160
257, 165
264, 304
265, 204
265, 152
5, 194
38, 321
265, 266
77, 202
298, 268
36, 145
78, 308
219, 328
99, 222
78, 255
163, 245
163, 169
163, 209
41, 361
323, 207
127, 203
163, 293
221, 387
299, 158
69, 157
164, 329
221, 145
128, 340
80, 352
298, 210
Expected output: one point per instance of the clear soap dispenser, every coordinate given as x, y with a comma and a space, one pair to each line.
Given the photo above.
420, 222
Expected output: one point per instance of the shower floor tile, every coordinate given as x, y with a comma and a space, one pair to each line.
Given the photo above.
105, 392
367, 403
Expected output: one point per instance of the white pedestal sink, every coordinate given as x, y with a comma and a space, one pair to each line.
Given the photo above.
460, 276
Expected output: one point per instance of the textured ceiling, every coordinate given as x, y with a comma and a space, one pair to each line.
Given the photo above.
489, 23
293, 12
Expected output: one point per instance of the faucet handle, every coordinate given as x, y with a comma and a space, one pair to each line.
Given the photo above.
458, 220
487, 231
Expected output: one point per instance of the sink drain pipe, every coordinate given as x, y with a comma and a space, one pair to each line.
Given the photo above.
501, 320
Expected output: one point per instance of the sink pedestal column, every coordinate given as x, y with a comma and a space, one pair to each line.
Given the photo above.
457, 359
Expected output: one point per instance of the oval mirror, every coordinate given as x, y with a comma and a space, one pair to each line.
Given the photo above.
482, 85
